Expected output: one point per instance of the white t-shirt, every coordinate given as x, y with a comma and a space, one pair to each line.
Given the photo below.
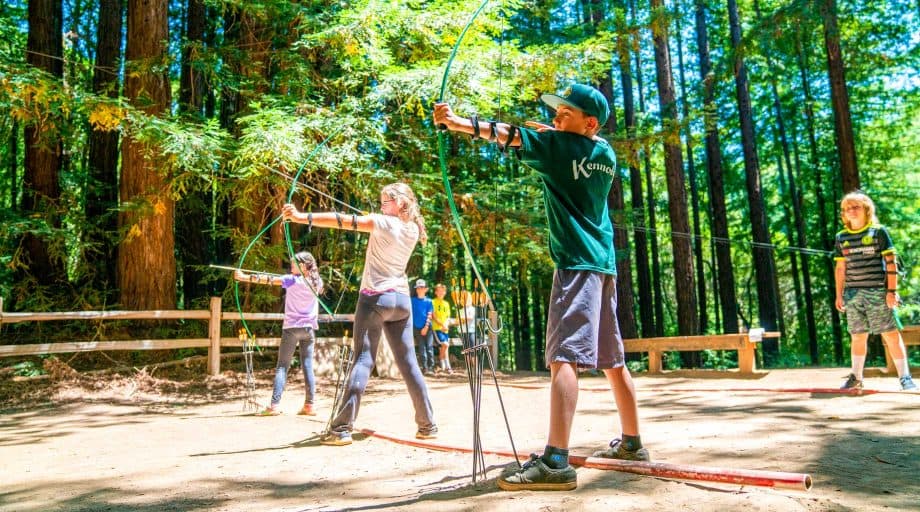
468, 315
388, 250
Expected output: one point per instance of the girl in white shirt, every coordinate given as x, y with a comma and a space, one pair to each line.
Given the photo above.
384, 305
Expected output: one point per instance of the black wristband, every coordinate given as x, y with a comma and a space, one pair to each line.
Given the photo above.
309, 222
493, 131
338, 219
474, 120
512, 130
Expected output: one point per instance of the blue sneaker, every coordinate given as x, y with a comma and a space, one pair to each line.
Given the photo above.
907, 383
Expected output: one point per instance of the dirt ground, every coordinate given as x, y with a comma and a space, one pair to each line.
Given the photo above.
140, 442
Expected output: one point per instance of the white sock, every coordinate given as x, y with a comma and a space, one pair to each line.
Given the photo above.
858, 363
901, 366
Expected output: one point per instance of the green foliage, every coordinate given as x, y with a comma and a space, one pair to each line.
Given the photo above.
297, 72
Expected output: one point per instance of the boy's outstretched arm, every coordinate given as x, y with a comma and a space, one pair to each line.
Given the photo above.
491, 131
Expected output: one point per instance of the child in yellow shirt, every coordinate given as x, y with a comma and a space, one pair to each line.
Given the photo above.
441, 322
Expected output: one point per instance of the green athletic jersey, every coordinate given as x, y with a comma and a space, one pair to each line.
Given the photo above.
864, 252
577, 173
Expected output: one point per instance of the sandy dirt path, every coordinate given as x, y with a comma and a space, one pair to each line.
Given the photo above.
125, 450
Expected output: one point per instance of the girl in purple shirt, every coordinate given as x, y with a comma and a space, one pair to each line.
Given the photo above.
301, 309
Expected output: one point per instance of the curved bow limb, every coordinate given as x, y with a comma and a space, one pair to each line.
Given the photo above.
442, 157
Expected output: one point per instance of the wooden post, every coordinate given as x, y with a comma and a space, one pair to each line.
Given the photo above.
747, 362
493, 337
654, 361
214, 337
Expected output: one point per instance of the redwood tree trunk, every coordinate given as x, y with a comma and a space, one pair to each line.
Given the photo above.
193, 210
719, 217
820, 199
644, 279
677, 195
650, 200
840, 98
797, 214
694, 192
41, 189
146, 263
102, 178
764, 265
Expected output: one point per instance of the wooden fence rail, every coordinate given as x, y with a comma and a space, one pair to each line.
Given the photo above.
655, 347
214, 316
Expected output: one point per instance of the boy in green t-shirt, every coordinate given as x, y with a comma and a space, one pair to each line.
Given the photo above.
577, 169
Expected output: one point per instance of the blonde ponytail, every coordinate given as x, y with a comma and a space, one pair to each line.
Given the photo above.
409, 210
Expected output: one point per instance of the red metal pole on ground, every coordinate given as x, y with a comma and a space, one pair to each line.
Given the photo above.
775, 479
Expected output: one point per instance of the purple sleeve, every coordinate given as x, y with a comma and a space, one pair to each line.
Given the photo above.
287, 280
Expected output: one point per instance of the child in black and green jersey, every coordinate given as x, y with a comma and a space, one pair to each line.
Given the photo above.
577, 169
866, 280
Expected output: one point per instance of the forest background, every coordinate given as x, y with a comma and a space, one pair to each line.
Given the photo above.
143, 140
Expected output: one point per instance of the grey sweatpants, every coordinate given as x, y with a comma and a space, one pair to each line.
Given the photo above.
389, 313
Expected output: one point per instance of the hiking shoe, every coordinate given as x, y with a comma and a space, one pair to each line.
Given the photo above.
336, 439
307, 410
617, 450
427, 433
269, 411
907, 383
852, 383
535, 475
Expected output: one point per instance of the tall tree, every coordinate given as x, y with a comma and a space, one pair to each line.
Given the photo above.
643, 275
797, 215
840, 98
102, 175
719, 216
146, 260
764, 264
820, 195
650, 199
674, 172
691, 172
193, 211
41, 186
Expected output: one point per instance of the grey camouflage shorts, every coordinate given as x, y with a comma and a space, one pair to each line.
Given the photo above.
867, 311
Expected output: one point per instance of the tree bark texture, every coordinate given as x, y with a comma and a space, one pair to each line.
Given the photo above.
640, 237
677, 195
764, 265
719, 216
840, 98
146, 260
102, 179
657, 292
820, 195
41, 188
702, 305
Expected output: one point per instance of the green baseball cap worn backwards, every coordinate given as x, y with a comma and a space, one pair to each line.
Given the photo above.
582, 97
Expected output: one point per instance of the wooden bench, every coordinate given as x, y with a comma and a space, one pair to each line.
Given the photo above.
740, 342
911, 336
